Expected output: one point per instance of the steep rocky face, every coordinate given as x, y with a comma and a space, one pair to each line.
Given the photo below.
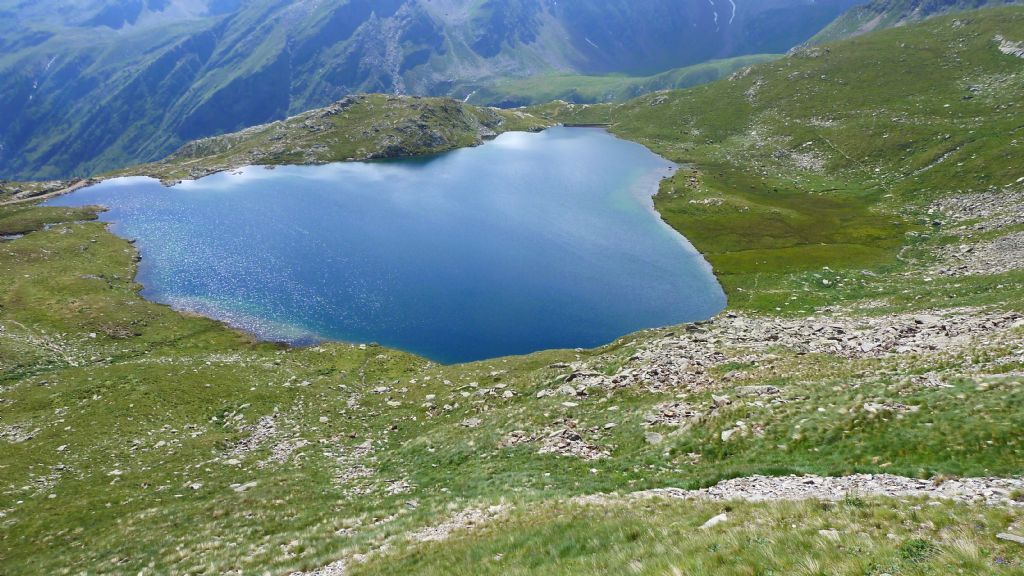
102, 83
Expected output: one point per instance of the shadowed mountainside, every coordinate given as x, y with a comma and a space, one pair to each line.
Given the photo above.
92, 85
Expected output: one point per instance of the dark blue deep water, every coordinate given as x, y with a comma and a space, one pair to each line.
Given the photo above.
529, 242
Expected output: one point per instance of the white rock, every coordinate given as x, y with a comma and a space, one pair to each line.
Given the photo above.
1011, 538
243, 487
715, 521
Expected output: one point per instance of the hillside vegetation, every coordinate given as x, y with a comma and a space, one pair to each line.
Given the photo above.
578, 89
859, 201
362, 127
882, 14
94, 85
833, 156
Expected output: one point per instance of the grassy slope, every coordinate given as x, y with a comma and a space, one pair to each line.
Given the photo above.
662, 538
828, 157
881, 14
134, 410
357, 128
613, 88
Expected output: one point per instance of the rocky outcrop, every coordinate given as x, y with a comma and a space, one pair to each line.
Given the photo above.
1009, 47
361, 127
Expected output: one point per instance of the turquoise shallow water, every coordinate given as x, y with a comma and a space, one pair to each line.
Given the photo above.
529, 242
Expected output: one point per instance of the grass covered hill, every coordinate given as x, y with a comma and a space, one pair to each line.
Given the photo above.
881, 14
834, 155
88, 86
359, 127
580, 89
861, 203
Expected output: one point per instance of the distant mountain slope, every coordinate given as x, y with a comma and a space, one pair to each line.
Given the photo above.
582, 89
90, 85
880, 14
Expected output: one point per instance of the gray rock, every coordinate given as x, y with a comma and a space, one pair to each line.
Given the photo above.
653, 438
243, 487
757, 390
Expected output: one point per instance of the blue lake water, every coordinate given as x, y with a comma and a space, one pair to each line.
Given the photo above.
529, 242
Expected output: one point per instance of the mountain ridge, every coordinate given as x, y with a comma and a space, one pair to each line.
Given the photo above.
881, 14
86, 93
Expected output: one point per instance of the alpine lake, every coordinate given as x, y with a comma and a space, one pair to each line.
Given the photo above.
528, 242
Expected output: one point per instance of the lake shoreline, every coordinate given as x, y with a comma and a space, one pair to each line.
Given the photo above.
504, 148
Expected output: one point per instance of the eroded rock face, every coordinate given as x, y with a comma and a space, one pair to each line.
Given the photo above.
689, 360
